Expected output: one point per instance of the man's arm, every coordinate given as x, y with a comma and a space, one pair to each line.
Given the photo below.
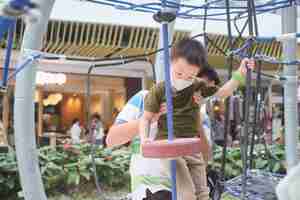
204, 141
128, 129
126, 126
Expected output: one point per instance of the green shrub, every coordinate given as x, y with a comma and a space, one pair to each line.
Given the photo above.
269, 159
9, 179
65, 168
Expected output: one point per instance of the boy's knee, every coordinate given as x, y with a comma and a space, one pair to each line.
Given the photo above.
203, 194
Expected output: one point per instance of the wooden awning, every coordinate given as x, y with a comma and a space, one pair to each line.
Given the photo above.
102, 40
96, 40
272, 49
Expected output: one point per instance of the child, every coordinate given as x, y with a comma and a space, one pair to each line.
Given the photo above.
188, 57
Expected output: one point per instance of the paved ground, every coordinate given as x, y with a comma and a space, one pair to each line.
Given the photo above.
91, 194
110, 195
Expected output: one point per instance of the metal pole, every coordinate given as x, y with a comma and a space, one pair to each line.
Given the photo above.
258, 93
169, 105
289, 25
227, 128
159, 61
25, 139
248, 94
168, 91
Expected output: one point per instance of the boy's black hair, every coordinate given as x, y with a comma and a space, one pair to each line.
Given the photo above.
191, 50
210, 73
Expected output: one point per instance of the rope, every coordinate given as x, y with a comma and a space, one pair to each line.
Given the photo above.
235, 52
88, 114
204, 26
189, 11
23, 65
93, 146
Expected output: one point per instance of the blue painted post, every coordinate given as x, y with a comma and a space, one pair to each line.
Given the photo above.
159, 60
8, 53
168, 90
19, 4
169, 104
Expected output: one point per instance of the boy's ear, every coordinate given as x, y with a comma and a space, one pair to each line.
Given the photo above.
148, 193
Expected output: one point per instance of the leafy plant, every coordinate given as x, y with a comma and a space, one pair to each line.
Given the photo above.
271, 159
65, 168
8, 174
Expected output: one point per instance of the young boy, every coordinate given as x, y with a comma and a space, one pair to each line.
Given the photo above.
188, 57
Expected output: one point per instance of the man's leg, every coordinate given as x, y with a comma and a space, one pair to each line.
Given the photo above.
197, 169
147, 175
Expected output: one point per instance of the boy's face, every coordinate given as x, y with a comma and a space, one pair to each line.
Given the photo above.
181, 69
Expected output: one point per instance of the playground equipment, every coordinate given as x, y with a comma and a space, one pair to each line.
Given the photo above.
166, 149
166, 11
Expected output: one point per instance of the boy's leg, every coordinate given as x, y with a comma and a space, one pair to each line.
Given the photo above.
184, 181
197, 169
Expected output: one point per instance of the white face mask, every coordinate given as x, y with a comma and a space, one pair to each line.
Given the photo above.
180, 84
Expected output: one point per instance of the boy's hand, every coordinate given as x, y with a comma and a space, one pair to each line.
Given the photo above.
146, 140
246, 62
163, 110
197, 97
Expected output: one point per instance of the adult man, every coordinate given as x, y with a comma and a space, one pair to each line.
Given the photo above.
149, 173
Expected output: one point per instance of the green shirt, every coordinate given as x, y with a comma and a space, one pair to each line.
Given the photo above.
185, 109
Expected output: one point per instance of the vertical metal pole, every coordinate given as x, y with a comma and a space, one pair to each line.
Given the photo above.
8, 52
258, 93
169, 104
229, 64
159, 62
204, 26
248, 95
25, 137
168, 92
289, 25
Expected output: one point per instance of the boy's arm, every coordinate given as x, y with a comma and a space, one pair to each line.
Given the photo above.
151, 107
227, 89
201, 87
236, 80
145, 126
